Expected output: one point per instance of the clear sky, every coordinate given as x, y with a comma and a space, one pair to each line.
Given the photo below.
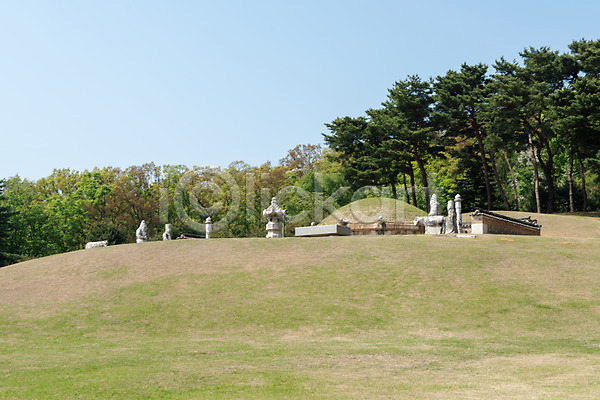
119, 83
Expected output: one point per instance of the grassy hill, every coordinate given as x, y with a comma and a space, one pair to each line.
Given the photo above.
410, 317
368, 211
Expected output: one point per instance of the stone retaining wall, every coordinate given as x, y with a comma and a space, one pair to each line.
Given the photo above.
387, 229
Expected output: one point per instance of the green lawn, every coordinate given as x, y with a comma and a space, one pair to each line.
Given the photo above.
410, 317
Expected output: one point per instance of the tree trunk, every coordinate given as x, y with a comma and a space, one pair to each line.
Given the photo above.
548, 167
393, 178
570, 180
498, 182
536, 175
583, 188
550, 183
514, 181
421, 166
411, 174
486, 176
406, 196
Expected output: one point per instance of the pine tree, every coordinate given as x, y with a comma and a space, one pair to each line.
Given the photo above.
5, 227
410, 102
461, 106
369, 152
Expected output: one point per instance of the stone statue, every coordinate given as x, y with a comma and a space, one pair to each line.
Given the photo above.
451, 220
93, 245
141, 234
167, 234
434, 225
434, 206
380, 225
275, 215
458, 208
434, 221
208, 227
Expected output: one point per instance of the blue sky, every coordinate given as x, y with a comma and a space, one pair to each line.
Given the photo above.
119, 83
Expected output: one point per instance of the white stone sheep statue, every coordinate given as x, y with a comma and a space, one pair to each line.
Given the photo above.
91, 245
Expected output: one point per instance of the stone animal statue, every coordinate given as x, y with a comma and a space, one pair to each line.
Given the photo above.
91, 245
434, 225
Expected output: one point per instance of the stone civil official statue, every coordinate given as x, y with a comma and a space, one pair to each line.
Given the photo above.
141, 235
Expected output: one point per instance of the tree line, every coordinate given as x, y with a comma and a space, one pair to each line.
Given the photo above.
522, 136
63, 211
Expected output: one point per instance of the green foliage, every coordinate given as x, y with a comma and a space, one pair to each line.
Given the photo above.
302, 158
368, 150
111, 232
6, 228
408, 109
461, 111
378, 148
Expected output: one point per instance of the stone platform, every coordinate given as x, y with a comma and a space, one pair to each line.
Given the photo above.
323, 230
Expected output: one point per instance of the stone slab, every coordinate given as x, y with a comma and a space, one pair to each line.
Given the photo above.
323, 230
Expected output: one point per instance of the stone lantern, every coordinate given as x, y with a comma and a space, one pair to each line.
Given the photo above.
275, 215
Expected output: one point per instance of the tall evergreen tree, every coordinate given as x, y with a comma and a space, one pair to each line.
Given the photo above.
507, 111
543, 77
577, 110
369, 152
461, 106
409, 103
5, 228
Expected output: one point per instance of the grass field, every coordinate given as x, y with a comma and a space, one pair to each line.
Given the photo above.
365, 317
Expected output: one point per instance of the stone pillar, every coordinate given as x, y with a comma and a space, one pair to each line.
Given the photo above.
275, 215
458, 208
167, 233
451, 219
208, 227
